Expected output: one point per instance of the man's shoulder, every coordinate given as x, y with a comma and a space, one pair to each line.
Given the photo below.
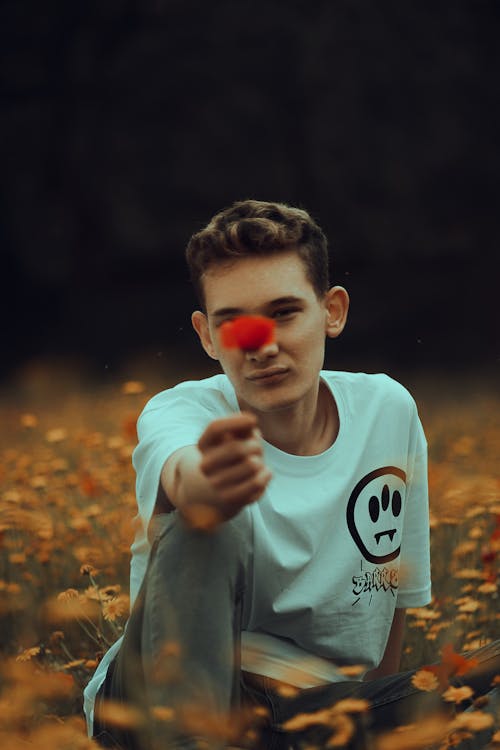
363, 386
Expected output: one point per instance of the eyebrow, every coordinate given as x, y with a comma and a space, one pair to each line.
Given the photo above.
273, 303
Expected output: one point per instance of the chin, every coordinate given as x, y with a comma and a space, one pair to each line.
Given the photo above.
273, 403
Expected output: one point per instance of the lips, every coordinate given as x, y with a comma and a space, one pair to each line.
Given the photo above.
267, 374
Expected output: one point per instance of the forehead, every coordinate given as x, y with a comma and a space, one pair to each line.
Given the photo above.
254, 282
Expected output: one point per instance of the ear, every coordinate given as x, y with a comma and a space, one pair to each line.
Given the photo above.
200, 325
337, 305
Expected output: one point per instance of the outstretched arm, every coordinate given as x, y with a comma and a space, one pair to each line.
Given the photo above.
212, 481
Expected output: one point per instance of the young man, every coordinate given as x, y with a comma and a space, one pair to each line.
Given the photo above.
284, 513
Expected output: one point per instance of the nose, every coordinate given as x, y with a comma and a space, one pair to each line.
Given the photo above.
263, 353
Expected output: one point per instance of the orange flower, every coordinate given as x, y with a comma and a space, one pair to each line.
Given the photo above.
119, 714
110, 592
28, 653
344, 729
56, 435
88, 485
458, 694
74, 663
133, 387
451, 664
88, 570
162, 713
68, 595
114, 608
17, 558
352, 670
474, 721
29, 420
92, 592
425, 680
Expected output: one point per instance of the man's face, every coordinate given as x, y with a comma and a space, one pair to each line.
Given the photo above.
283, 373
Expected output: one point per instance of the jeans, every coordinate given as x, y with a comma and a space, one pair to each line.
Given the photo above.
179, 674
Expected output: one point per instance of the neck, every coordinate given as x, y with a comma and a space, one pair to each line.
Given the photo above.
304, 429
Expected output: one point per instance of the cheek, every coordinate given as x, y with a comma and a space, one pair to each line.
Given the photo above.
312, 339
230, 361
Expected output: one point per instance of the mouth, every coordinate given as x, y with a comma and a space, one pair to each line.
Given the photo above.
390, 533
269, 375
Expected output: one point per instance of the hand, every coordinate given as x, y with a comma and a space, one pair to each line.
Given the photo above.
232, 464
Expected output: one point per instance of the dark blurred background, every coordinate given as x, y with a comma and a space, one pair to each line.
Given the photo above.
125, 124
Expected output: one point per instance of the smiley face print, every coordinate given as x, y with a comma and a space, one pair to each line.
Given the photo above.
374, 513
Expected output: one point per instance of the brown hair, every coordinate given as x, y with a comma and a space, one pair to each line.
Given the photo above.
249, 228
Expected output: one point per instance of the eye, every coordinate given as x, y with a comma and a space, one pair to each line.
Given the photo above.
285, 312
223, 320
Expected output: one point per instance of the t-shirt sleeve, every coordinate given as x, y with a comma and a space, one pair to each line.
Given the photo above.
171, 420
415, 573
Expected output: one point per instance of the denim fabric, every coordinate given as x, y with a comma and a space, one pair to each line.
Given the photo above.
181, 648
394, 701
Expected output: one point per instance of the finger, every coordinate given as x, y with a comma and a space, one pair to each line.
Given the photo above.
229, 454
236, 474
240, 425
249, 491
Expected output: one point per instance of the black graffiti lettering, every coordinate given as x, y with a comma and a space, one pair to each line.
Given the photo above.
380, 579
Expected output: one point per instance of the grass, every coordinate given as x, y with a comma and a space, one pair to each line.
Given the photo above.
66, 508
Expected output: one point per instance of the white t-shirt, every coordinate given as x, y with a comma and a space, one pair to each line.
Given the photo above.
340, 539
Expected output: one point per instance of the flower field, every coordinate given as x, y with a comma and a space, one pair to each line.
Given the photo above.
66, 509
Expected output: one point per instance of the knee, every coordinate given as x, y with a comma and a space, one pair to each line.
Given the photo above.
228, 546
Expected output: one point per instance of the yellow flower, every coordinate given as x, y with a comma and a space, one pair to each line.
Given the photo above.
352, 670
287, 691
56, 435
114, 608
414, 736
68, 595
88, 570
487, 588
422, 613
343, 731
119, 714
425, 680
133, 387
56, 637
458, 694
474, 721
17, 558
110, 592
469, 573
73, 664
162, 713
28, 653
92, 592
305, 720
351, 706
29, 420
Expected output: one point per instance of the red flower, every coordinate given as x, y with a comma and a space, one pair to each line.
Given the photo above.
248, 332
451, 664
